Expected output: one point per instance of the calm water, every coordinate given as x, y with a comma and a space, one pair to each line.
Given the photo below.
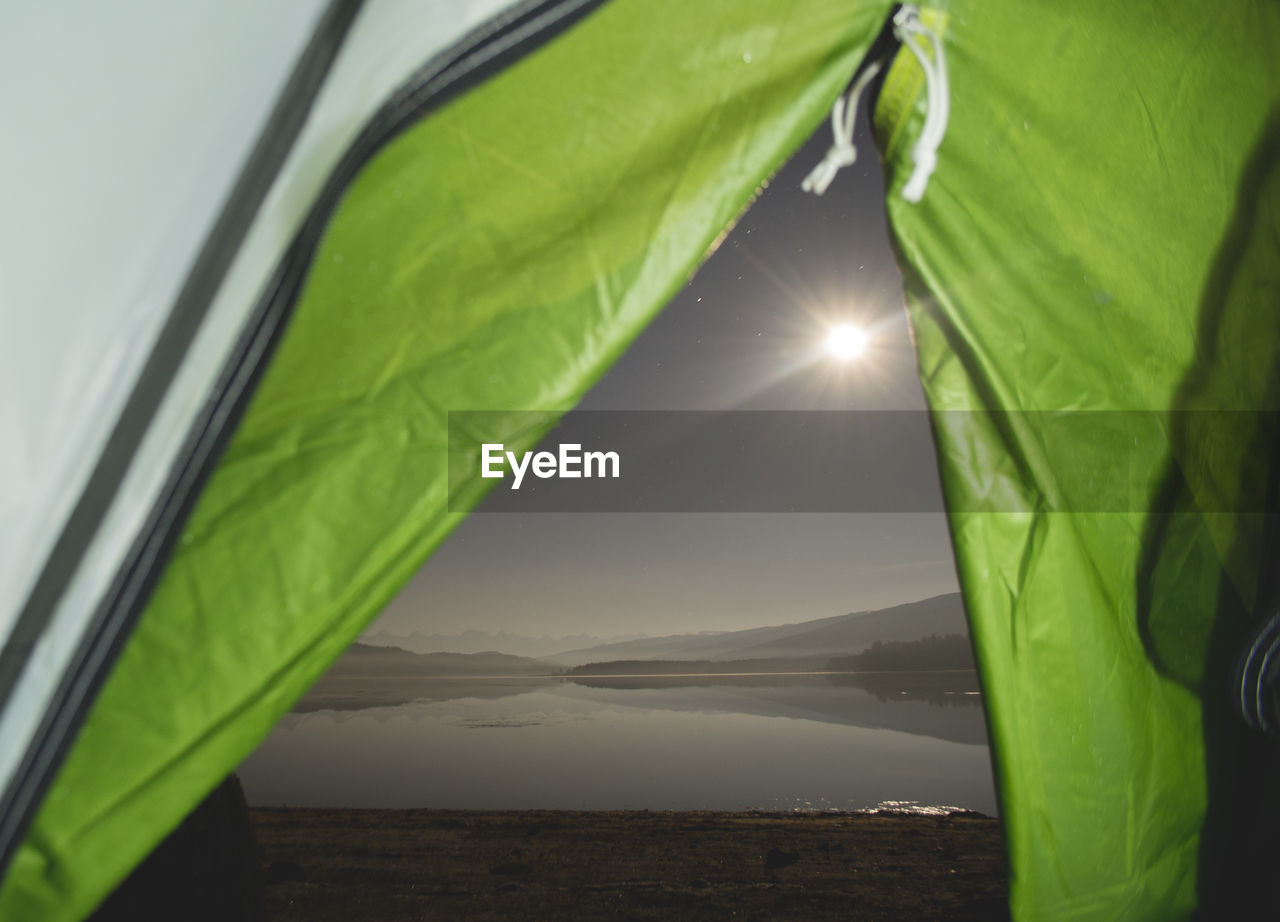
773, 743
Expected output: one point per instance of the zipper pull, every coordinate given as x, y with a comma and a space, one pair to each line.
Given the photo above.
908, 27
842, 153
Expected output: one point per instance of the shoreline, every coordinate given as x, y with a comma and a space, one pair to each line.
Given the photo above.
359, 691
520, 676
330, 864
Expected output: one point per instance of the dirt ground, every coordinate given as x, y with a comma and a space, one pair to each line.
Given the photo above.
553, 865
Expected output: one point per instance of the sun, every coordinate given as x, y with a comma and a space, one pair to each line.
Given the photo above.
846, 342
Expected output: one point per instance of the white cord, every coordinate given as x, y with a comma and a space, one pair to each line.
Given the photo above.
906, 26
842, 153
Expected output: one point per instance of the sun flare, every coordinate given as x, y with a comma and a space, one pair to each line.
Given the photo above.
846, 342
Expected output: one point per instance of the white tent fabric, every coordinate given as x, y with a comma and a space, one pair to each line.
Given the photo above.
125, 126
200, 86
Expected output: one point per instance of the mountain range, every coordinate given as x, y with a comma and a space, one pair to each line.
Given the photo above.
363, 660
841, 634
485, 642
838, 635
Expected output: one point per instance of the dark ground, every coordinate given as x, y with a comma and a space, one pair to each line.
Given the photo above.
322, 864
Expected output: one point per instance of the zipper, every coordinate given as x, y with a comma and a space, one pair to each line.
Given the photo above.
479, 55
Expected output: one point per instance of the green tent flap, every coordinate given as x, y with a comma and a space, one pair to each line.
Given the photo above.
1101, 236
499, 255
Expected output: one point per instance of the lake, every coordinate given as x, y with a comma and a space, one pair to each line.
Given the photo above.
792, 742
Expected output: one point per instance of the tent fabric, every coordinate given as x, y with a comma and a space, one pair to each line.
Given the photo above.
1097, 245
63, 352
1101, 237
113, 349
97, 289
74, 352
51, 661
500, 254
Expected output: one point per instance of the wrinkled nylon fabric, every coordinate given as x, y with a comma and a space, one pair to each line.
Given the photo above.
500, 255
1101, 234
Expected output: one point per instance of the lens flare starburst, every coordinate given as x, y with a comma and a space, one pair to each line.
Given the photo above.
846, 342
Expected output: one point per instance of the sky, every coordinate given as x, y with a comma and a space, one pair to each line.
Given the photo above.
746, 333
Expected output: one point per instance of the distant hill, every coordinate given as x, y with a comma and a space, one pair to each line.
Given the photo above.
368, 660
825, 637
937, 651
483, 642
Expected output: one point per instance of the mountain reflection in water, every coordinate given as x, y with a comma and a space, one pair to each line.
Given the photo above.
811, 741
